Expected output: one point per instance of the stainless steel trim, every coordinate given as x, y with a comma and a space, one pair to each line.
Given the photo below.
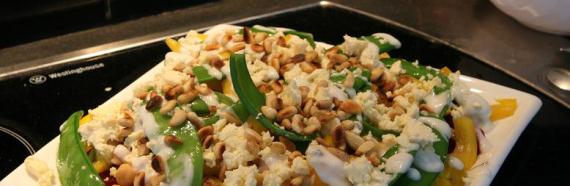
21, 139
130, 43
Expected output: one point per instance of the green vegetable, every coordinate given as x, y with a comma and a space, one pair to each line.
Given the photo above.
252, 99
376, 132
200, 107
202, 75
73, 164
211, 120
303, 35
420, 71
240, 111
391, 152
384, 46
237, 107
259, 28
427, 178
338, 78
224, 99
190, 149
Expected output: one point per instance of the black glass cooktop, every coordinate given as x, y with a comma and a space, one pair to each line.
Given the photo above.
36, 103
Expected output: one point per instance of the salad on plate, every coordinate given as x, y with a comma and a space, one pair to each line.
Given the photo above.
271, 106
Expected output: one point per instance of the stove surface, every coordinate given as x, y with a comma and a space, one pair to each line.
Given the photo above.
37, 102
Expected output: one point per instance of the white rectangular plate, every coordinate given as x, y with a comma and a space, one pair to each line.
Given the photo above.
502, 137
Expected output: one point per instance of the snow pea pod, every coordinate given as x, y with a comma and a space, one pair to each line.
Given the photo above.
420, 71
427, 178
73, 164
383, 46
190, 149
302, 35
252, 99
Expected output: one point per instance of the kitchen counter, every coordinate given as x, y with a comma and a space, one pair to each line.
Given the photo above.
474, 27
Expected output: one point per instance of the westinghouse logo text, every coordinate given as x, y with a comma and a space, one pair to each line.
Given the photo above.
39, 79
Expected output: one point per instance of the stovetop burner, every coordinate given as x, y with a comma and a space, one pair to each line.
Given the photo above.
15, 149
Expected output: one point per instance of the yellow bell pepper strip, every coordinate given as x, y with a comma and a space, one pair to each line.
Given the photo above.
427, 178
189, 149
420, 71
172, 44
504, 109
85, 119
465, 150
252, 99
73, 165
302, 35
383, 46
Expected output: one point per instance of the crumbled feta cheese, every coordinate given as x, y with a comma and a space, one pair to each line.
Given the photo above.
396, 68
419, 133
39, 171
353, 46
358, 170
209, 158
279, 168
235, 141
291, 94
369, 56
300, 166
261, 72
242, 176
172, 59
266, 139
368, 100
361, 172
170, 77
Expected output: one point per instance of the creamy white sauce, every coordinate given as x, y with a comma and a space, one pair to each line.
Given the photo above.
151, 130
328, 167
213, 72
441, 126
121, 152
210, 99
389, 38
428, 161
399, 163
455, 163
437, 101
473, 105
414, 174
184, 177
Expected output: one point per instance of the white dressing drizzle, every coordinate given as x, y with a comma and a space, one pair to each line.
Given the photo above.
399, 163
441, 126
428, 161
455, 163
329, 168
473, 105
414, 174
437, 101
